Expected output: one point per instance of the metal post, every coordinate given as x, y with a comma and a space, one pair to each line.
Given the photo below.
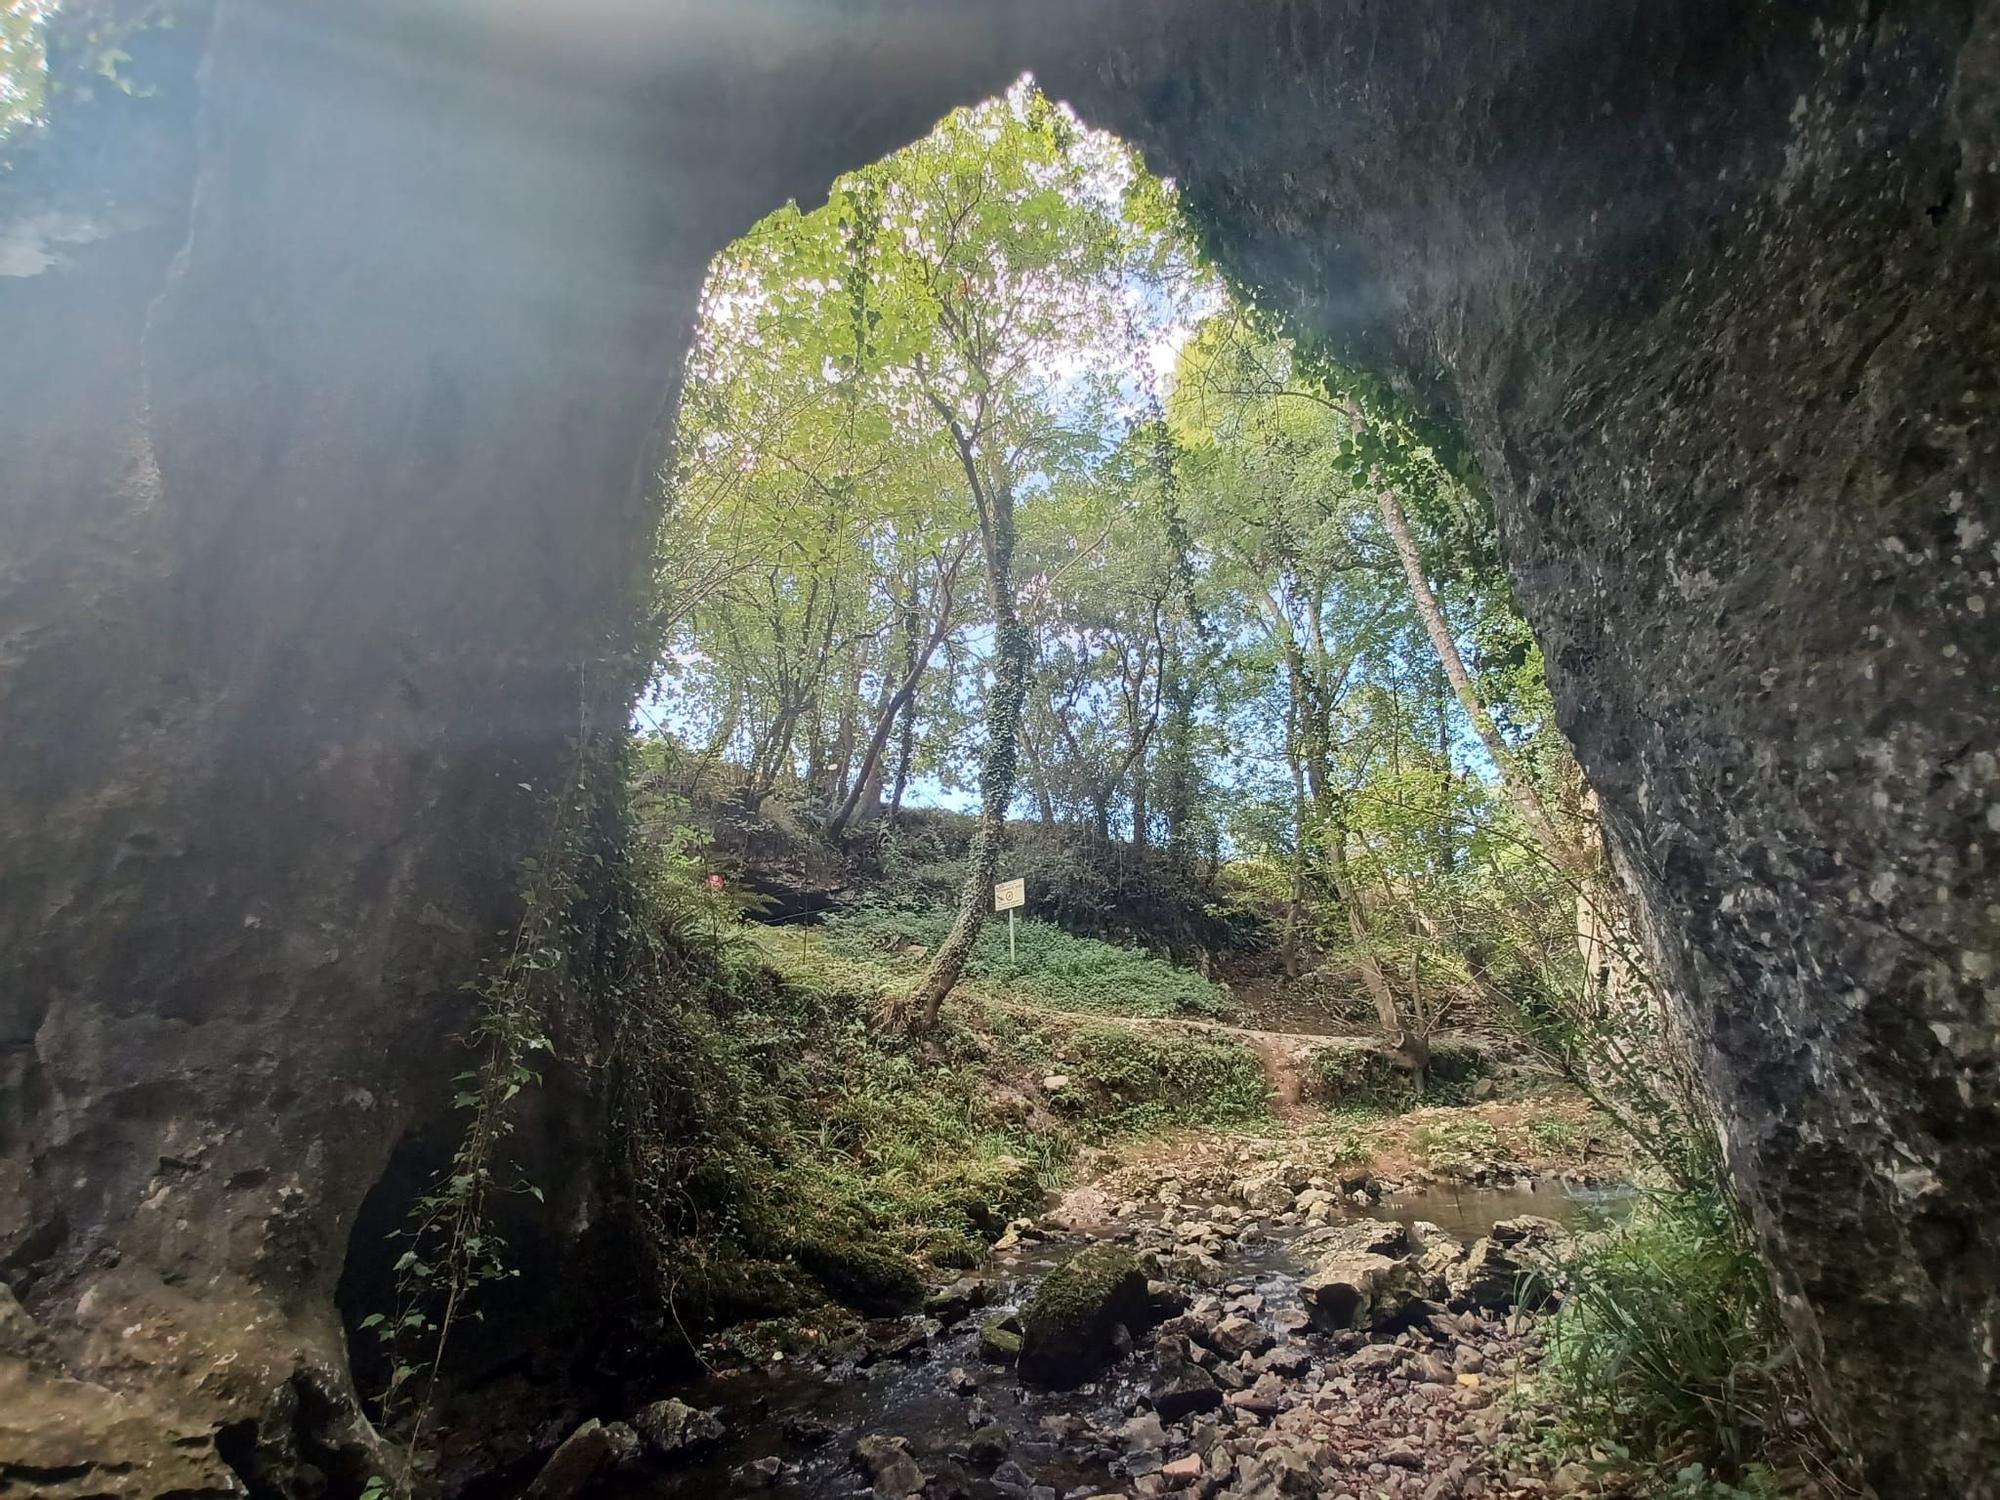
1010, 934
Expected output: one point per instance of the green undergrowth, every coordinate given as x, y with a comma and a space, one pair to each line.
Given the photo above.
1126, 1082
1050, 968
1368, 1076
801, 1151
1666, 1363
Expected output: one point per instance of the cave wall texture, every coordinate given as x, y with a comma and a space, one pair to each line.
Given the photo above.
337, 370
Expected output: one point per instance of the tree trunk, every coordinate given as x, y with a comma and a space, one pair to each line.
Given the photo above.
899, 703
1513, 780
996, 786
906, 753
1000, 765
1372, 977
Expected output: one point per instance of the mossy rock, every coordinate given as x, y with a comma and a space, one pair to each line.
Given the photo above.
860, 1275
1000, 1343
1069, 1330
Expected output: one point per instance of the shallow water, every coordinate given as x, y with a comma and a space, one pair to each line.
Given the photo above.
912, 1398
1468, 1212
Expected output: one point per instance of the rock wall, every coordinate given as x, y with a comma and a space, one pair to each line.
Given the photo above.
1715, 295
328, 477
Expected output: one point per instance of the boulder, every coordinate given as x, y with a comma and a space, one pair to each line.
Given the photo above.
886, 1464
1000, 1340
1496, 1276
1069, 1330
1182, 1388
1363, 1291
574, 1464
673, 1427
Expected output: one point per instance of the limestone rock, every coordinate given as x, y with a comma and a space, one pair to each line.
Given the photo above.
1069, 1330
888, 1467
673, 1427
1182, 1388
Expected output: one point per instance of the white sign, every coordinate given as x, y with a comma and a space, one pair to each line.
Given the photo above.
1009, 894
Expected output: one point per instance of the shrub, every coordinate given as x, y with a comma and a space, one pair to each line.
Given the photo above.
1150, 1082
1368, 1076
1457, 1145
1666, 1347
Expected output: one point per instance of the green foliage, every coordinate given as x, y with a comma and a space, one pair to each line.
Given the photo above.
1456, 1146
23, 62
1052, 968
1665, 1355
1368, 1076
1554, 1136
1139, 1082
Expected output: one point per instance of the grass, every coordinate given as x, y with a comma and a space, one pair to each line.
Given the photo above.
1052, 968
1367, 1075
1457, 1146
817, 1154
1665, 1356
1142, 1083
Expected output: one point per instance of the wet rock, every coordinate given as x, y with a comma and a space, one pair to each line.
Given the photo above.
673, 1427
886, 1464
895, 1338
960, 1381
805, 1429
988, 1446
950, 1304
581, 1457
767, 1469
1236, 1336
1182, 1388
1000, 1340
1069, 1330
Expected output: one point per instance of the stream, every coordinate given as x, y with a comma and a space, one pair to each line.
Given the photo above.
791, 1426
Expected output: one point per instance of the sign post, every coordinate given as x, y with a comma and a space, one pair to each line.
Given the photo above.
1007, 895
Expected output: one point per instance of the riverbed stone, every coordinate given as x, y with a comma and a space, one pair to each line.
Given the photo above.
886, 1463
1069, 1330
1362, 1291
672, 1427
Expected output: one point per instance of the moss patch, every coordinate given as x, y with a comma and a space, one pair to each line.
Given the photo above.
1068, 1332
